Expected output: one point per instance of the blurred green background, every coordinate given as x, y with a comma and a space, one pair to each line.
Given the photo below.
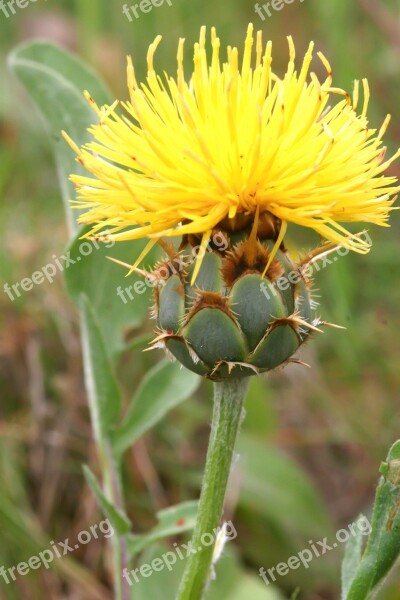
327, 427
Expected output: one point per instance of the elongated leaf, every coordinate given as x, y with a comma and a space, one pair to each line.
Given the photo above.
171, 521
119, 302
55, 80
280, 504
163, 388
383, 546
275, 486
118, 520
103, 392
352, 558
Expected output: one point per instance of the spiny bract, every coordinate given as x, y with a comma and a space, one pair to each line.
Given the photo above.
232, 321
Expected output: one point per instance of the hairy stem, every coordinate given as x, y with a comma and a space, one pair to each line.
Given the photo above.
229, 397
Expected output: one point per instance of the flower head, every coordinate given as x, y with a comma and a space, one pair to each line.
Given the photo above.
234, 139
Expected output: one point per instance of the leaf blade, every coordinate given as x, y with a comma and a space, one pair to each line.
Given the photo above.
103, 391
162, 389
171, 521
118, 520
383, 546
352, 559
55, 81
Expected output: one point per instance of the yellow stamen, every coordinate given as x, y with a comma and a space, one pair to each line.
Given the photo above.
276, 247
200, 256
142, 255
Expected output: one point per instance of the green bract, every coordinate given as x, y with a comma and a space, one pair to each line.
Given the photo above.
232, 321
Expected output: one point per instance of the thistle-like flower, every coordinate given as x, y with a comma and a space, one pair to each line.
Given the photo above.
236, 151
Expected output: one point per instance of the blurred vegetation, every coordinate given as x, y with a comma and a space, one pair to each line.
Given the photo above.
328, 427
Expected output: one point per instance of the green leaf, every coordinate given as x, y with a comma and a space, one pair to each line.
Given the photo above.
383, 546
171, 521
118, 520
261, 411
55, 80
118, 302
273, 485
278, 502
103, 391
163, 388
352, 557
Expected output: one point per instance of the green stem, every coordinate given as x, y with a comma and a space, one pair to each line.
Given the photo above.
113, 488
229, 397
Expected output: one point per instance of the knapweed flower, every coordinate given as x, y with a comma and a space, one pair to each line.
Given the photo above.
225, 160
232, 139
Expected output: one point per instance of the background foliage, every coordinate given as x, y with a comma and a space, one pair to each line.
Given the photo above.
327, 427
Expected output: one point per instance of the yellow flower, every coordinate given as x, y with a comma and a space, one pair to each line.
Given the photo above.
234, 138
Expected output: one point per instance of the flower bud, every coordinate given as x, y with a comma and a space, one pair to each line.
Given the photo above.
238, 318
